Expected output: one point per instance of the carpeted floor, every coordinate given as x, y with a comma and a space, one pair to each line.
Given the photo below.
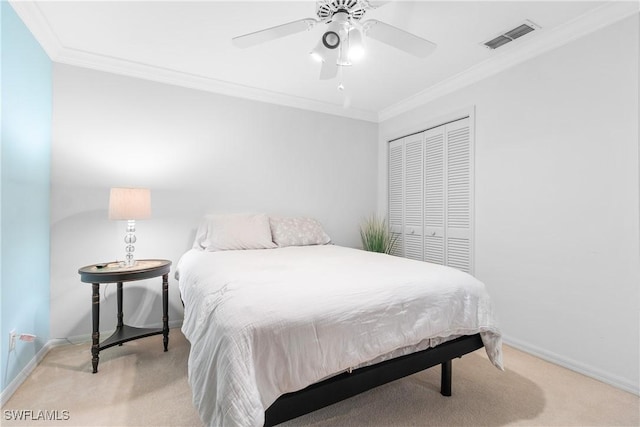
140, 385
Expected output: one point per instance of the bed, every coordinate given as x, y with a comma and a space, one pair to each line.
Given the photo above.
278, 331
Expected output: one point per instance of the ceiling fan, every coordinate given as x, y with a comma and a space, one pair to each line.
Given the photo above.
343, 40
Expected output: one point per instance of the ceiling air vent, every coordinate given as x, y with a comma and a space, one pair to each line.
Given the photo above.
511, 35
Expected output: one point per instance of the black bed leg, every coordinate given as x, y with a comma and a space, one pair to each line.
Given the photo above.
445, 378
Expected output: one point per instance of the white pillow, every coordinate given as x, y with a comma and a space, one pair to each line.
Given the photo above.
297, 232
234, 231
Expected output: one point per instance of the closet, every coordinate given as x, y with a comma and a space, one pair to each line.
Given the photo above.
431, 195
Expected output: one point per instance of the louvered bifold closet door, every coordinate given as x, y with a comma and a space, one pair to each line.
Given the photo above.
413, 197
434, 195
396, 194
458, 214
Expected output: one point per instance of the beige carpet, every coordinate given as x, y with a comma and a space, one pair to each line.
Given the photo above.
140, 385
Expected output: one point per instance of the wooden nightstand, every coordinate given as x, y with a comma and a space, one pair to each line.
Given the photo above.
115, 273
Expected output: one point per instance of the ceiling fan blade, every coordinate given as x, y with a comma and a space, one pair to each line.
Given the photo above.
273, 33
398, 38
330, 65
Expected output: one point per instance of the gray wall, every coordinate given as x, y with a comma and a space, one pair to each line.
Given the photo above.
199, 153
557, 233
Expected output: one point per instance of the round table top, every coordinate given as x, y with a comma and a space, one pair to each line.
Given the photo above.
110, 272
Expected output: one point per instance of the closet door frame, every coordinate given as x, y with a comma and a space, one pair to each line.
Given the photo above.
422, 126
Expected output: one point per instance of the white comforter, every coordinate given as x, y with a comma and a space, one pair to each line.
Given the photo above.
267, 322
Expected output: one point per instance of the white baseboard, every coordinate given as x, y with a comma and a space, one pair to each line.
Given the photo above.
52, 343
10, 389
595, 373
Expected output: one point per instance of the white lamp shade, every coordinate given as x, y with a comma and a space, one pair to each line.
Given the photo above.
129, 203
356, 44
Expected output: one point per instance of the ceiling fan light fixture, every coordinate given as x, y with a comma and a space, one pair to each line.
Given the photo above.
331, 39
337, 30
356, 44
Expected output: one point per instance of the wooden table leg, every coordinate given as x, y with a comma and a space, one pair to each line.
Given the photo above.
119, 301
95, 313
165, 310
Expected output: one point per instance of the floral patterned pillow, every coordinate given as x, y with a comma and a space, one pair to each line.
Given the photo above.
287, 231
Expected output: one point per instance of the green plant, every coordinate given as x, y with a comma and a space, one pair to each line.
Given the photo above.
376, 236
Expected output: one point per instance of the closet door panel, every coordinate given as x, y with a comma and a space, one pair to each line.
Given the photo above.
458, 253
396, 194
434, 195
458, 195
413, 197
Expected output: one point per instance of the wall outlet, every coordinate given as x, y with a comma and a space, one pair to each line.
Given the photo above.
27, 337
12, 340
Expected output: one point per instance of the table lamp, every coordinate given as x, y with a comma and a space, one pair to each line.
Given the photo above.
129, 204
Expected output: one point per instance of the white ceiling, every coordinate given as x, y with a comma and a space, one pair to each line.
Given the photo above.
189, 43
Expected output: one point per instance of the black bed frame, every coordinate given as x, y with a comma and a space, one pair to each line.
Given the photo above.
348, 384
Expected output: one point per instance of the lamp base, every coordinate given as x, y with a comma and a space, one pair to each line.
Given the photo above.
130, 240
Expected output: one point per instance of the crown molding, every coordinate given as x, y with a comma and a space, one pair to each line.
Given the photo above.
580, 26
178, 78
37, 23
